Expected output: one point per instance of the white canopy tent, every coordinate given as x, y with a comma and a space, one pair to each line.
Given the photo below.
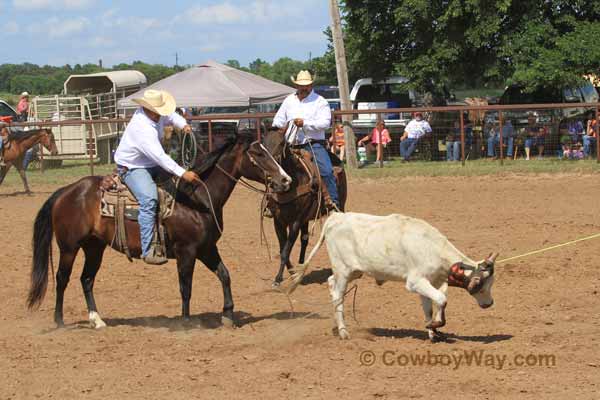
216, 85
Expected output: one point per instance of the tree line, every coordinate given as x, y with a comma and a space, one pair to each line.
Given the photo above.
434, 43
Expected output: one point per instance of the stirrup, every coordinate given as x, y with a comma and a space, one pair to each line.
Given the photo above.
155, 259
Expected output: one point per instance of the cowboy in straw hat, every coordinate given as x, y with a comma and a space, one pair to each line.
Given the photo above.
311, 114
140, 157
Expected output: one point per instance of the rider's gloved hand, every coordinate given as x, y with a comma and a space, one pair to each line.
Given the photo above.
190, 177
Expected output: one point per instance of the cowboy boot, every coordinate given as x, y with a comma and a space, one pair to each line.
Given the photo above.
153, 258
329, 204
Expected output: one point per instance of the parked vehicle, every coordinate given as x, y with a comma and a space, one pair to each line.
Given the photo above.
392, 92
331, 94
7, 113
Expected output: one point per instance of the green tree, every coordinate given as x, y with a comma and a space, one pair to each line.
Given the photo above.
472, 42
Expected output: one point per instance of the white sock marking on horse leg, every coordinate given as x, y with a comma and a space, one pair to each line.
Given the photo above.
96, 321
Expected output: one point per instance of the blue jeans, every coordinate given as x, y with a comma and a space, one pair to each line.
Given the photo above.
495, 140
588, 142
453, 151
407, 146
141, 184
325, 170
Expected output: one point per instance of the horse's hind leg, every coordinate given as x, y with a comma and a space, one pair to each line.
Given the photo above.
303, 242
213, 261
94, 250
65, 266
19, 167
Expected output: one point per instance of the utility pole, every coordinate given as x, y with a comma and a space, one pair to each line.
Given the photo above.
176, 60
342, 77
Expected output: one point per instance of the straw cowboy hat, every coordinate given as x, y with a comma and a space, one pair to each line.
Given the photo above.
24, 94
303, 78
158, 101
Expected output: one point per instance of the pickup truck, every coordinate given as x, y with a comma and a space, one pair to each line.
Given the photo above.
7, 113
392, 92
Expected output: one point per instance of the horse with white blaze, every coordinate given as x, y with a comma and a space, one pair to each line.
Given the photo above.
398, 248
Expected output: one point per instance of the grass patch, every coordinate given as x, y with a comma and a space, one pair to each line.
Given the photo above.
71, 171
68, 173
477, 168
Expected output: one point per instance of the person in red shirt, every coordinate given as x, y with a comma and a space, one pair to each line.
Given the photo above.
379, 134
23, 107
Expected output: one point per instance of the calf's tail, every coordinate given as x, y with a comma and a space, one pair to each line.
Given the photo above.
300, 271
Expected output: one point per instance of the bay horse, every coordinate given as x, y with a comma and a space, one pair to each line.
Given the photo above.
292, 217
18, 144
72, 215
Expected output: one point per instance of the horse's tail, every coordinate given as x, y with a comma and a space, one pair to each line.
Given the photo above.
42, 248
301, 270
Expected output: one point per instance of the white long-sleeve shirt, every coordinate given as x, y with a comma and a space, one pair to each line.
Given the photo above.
313, 109
416, 129
140, 145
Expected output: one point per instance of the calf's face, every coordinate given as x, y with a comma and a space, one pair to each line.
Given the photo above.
481, 281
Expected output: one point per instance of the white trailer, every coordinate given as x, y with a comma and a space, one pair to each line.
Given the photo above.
87, 97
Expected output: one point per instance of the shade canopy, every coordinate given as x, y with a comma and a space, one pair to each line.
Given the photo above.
216, 85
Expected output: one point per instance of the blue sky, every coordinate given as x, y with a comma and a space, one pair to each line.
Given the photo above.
58, 32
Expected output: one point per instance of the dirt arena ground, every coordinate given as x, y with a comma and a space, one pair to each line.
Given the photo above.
545, 311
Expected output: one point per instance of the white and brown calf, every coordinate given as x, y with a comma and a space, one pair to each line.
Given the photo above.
398, 248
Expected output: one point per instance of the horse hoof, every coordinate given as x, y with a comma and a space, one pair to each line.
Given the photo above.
95, 321
276, 285
227, 322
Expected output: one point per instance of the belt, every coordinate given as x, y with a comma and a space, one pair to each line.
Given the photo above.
310, 142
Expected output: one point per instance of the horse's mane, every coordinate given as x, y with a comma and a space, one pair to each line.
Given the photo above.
207, 161
19, 136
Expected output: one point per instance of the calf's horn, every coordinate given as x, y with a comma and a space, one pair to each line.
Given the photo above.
492, 257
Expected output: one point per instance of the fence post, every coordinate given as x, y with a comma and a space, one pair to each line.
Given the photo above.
501, 139
209, 135
258, 128
462, 139
89, 147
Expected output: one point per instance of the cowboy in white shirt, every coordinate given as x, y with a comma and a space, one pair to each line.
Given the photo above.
415, 130
310, 112
140, 157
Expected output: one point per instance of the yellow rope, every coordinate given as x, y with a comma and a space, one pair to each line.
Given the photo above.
550, 248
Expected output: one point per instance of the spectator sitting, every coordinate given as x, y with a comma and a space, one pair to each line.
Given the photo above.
590, 139
337, 141
508, 137
565, 141
378, 135
414, 131
540, 140
531, 132
453, 141
575, 130
573, 152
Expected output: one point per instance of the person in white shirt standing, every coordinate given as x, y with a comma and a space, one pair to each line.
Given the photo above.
310, 112
140, 157
414, 131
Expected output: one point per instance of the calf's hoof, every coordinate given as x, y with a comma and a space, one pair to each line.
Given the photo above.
342, 333
435, 325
